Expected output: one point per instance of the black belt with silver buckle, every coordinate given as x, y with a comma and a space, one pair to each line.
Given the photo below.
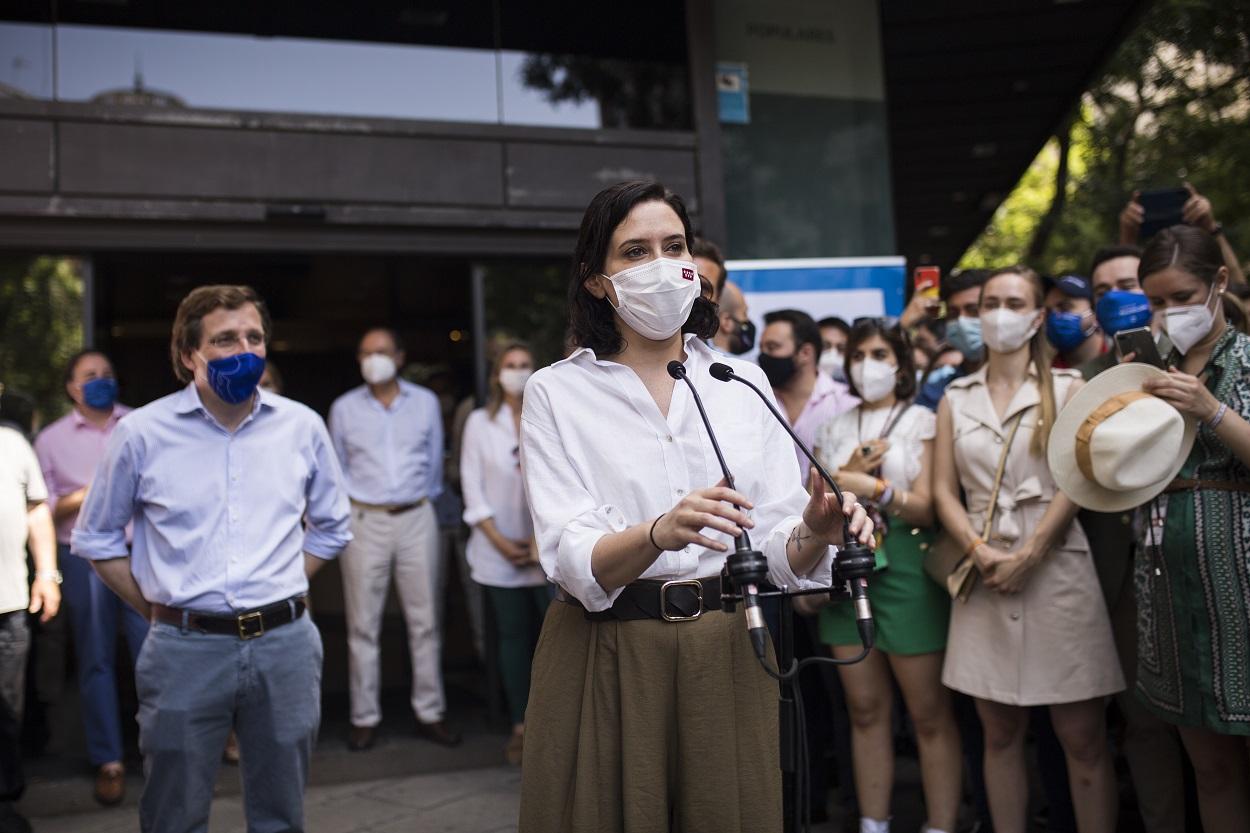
682, 600
247, 625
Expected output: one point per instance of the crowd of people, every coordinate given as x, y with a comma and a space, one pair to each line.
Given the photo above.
1058, 525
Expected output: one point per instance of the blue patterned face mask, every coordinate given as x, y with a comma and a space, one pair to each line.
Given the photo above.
1120, 310
234, 378
964, 334
100, 393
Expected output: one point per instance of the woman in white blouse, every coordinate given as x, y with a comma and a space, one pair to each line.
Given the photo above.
883, 449
499, 550
648, 710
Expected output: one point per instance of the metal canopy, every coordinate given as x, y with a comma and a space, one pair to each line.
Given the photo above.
974, 90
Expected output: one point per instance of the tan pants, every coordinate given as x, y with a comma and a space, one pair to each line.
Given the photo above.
649, 727
408, 544
1152, 746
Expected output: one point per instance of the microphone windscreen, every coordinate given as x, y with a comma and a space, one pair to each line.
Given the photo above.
676, 369
721, 371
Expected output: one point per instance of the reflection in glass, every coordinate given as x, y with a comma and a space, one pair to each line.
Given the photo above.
629, 94
524, 103
25, 61
243, 72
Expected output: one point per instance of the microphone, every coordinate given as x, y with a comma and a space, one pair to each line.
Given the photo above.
747, 567
855, 561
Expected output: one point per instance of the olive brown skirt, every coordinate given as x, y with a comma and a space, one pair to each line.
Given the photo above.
649, 727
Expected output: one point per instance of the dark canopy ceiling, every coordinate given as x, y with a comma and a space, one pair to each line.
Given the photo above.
973, 90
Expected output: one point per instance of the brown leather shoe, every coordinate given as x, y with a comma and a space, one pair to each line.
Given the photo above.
361, 738
438, 733
110, 784
515, 748
230, 754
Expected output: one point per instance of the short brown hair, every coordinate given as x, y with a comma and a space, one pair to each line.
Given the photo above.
188, 323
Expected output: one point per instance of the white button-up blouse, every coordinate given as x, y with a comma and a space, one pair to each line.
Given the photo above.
490, 479
598, 457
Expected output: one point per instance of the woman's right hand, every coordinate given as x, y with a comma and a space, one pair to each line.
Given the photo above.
703, 508
870, 462
517, 552
987, 558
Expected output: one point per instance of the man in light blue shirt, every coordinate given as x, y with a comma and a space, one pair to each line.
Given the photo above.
388, 434
237, 499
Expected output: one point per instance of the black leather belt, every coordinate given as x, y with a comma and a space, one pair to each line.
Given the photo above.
681, 600
247, 625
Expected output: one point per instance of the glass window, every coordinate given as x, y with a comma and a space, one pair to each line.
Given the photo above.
25, 60
243, 72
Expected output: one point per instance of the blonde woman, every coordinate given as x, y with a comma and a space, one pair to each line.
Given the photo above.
1034, 630
499, 550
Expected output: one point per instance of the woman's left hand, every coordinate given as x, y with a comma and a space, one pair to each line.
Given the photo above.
1011, 575
824, 519
854, 481
1185, 393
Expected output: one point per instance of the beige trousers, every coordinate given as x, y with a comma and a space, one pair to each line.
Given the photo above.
408, 545
649, 727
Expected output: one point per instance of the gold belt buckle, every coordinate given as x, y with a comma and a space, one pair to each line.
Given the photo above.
245, 618
697, 585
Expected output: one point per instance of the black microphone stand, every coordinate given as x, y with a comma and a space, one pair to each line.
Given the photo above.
746, 572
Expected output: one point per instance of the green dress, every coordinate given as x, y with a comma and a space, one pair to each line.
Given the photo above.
1193, 593
910, 610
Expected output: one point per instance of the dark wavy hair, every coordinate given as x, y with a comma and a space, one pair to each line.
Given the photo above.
1187, 248
905, 377
591, 320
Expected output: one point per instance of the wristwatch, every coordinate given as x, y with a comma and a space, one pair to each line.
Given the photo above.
49, 575
1218, 230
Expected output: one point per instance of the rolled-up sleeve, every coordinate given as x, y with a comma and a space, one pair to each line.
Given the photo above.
472, 470
568, 522
434, 486
328, 516
100, 532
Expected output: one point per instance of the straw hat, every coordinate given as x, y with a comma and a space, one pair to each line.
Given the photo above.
1114, 446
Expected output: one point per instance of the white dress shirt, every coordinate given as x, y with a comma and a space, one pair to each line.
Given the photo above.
598, 457
393, 455
490, 479
846, 433
221, 518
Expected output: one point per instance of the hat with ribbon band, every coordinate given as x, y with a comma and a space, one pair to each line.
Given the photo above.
1115, 446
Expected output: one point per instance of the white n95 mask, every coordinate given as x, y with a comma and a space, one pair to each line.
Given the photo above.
875, 380
655, 298
1006, 331
1190, 324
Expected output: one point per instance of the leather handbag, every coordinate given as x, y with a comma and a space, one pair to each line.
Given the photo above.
945, 562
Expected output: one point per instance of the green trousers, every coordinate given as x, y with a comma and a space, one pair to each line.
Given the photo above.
518, 613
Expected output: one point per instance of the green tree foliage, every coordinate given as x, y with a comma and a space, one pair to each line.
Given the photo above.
1172, 104
40, 328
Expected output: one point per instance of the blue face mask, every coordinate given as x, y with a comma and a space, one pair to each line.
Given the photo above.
1067, 330
964, 334
234, 378
1120, 310
100, 393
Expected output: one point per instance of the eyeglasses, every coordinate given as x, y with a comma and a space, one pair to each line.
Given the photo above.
225, 341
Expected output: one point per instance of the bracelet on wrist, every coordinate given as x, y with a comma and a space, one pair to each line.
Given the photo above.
976, 542
1214, 422
878, 489
49, 575
887, 497
651, 533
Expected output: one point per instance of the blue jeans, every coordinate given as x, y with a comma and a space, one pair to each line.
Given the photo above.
193, 687
94, 612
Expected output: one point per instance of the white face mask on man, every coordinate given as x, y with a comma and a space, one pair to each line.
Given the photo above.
1006, 331
377, 368
832, 362
655, 298
875, 380
1190, 324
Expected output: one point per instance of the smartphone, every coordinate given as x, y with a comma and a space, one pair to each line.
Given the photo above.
1162, 208
1142, 342
928, 280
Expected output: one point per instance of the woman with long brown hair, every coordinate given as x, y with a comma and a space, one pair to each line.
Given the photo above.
499, 551
1034, 630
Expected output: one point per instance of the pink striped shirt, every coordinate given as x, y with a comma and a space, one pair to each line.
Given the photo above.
69, 451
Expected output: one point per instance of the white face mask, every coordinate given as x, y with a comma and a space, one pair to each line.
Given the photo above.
833, 363
513, 379
1006, 331
655, 298
377, 368
1190, 324
875, 380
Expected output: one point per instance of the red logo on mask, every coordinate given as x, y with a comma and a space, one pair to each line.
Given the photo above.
687, 274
